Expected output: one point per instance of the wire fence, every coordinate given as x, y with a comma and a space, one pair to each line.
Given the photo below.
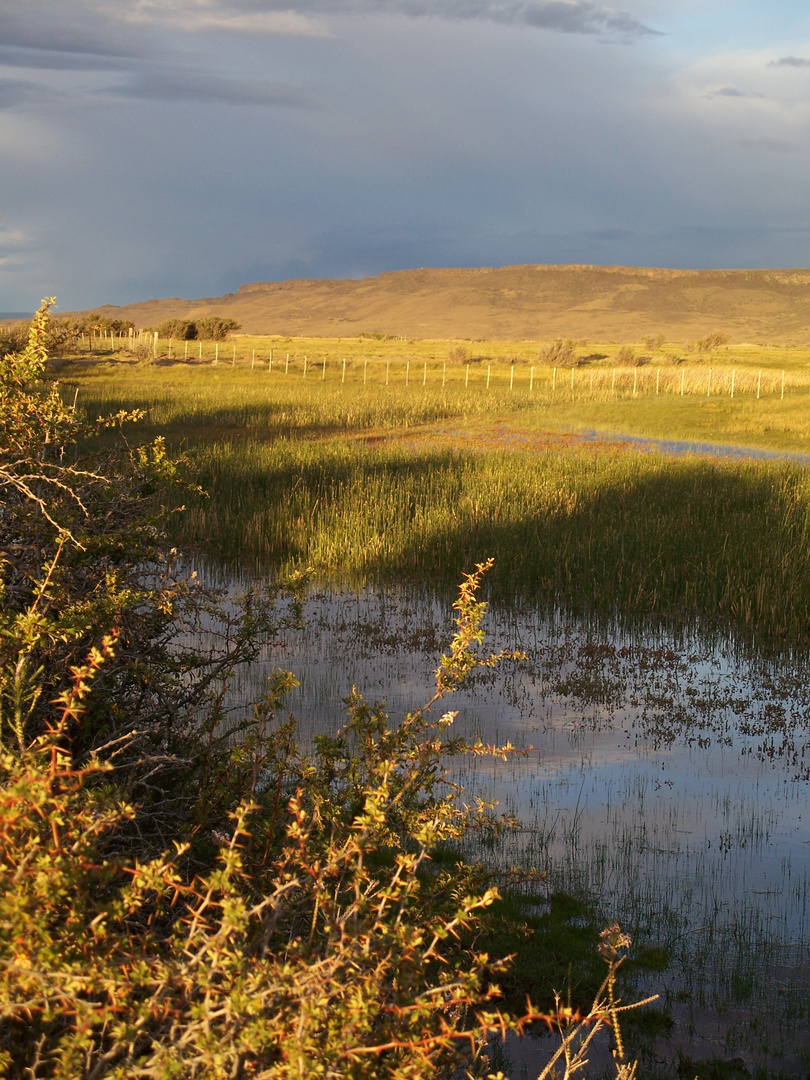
578, 382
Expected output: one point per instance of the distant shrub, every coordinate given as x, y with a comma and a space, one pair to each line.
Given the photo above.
712, 341
13, 337
654, 344
560, 353
178, 329
626, 355
61, 335
215, 327
459, 354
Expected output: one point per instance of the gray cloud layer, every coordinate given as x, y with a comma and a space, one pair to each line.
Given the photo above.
790, 61
206, 87
564, 16
14, 92
116, 29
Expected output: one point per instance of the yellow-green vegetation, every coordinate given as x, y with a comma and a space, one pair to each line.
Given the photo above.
259, 385
367, 480
627, 533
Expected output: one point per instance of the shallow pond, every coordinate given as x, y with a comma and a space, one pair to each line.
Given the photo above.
668, 775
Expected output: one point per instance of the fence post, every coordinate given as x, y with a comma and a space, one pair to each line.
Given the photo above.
305, 368
444, 374
489, 369
467, 377
424, 375
185, 351
287, 364
233, 358
323, 372
531, 379
343, 380
511, 376
154, 349
216, 353
407, 372
783, 386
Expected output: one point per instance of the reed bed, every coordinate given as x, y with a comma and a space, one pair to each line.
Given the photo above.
633, 535
384, 483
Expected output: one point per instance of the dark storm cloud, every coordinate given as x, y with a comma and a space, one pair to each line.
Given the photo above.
563, 16
790, 61
200, 86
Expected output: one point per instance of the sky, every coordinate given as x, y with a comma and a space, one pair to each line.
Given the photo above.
153, 148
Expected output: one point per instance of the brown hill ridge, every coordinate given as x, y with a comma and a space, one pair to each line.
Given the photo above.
608, 303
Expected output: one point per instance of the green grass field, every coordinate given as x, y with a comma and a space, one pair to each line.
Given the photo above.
417, 480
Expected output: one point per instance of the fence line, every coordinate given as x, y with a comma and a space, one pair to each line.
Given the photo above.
582, 383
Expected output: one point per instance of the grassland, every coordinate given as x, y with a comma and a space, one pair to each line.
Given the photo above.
362, 480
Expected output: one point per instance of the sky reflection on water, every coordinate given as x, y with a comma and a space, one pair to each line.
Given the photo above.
666, 774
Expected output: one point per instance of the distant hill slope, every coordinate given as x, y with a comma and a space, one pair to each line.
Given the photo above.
609, 303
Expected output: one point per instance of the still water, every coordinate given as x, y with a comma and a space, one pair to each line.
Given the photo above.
667, 774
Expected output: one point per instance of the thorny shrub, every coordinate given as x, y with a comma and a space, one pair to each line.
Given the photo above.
181, 897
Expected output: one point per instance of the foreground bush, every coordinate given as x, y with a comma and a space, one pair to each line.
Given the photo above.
186, 896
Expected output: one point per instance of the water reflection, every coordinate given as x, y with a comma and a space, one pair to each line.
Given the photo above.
667, 775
